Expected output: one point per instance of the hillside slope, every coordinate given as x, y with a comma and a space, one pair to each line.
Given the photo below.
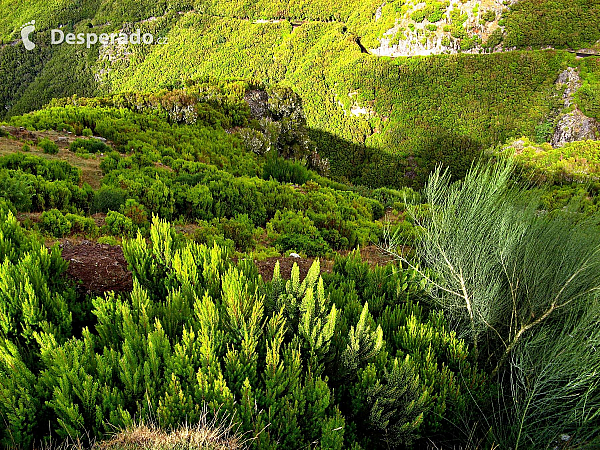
366, 112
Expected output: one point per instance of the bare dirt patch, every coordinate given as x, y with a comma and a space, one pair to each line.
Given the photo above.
97, 267
373, 255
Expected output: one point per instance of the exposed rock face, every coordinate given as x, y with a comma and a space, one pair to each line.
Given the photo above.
570, 77
257, 101
573, 126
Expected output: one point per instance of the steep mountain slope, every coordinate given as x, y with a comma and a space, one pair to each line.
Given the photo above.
381, 121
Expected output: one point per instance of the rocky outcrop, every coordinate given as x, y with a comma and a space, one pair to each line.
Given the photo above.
574, 125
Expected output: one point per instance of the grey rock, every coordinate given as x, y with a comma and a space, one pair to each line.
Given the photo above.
575, 126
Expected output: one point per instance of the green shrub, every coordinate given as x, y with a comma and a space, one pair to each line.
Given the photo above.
285, 171
488, 16
48, 146
120, 225
543, 132
418, 15
18, 189
312, 246
108, 240
55, 223
6, 206
291, 230
89, 146
109, 198
135, 211
81, 224
26, 148
87, 132
240, 230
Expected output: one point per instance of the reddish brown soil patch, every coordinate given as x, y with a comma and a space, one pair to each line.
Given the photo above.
373, 255
98, 268
99, 218
266, 266
35, 217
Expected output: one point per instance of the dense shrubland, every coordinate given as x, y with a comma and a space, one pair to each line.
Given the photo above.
354, 359
484, 333
444, 350
559, 24
193, 170
422, 118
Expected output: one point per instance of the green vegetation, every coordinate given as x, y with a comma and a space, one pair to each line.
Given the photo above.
320, 357
574, 162
523, 290
269, 128
187, 167
557, 23
411, 120
48, 146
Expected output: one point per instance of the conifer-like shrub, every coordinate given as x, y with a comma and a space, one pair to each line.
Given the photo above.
341, 362
108, 198
54, 222
285, 171
81, 224
48, 146
89, 146
119, 224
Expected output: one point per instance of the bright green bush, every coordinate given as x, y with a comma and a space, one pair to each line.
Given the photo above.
120, 225
292, 230
35, 165
48, 146
418, 15
54, 222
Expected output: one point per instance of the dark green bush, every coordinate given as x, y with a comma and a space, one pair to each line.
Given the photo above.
285, 171
240, 230
81, 224
109, 198
135, 211
89, 146
311, 245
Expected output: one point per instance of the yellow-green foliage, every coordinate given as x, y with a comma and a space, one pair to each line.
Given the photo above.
419, 111
557, 23
294, 361
442, 108
575, 161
